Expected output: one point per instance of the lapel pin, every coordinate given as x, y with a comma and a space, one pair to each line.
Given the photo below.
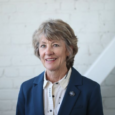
71, 93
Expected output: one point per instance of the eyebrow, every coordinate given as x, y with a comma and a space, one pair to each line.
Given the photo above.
42, 42
51, 42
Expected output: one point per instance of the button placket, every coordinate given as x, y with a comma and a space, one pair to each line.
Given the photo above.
50, 107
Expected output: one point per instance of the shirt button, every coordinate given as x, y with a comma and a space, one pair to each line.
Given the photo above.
57, 83
53, 96
50, 110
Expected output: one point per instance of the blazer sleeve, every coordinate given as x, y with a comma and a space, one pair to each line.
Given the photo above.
95, 104
20, 109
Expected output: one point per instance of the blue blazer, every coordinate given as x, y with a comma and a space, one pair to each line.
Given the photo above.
86, 101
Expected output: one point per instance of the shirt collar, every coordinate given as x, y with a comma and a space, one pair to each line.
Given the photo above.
63, 82
45, 81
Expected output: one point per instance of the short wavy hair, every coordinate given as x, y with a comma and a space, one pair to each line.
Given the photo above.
57, 29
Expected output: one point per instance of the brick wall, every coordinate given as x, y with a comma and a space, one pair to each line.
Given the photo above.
108, 93
92, 20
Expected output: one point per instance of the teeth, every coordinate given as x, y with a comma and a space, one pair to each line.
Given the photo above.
50, 59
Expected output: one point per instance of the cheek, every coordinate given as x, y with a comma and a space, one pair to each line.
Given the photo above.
63, 54
41, 54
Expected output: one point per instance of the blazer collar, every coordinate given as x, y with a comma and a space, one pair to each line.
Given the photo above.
76, 77
39, 79
69, 100
38, 95
75, 80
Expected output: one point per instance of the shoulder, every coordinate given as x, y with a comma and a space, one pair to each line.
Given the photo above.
90, 84
88, 81
83, 81
29, 83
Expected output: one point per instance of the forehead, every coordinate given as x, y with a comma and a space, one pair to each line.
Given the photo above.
43, 38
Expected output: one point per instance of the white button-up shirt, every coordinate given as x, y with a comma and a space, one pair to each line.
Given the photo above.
54, 93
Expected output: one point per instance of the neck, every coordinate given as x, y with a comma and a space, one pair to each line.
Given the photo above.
55, 76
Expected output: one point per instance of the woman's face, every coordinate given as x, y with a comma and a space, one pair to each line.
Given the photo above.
53, 54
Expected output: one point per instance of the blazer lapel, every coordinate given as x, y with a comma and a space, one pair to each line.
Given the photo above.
70, 99
38, 95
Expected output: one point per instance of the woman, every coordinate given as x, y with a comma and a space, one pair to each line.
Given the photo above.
60, 90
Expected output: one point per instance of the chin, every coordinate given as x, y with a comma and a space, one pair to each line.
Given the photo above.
51, 68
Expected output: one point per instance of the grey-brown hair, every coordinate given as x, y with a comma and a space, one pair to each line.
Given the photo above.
57, 29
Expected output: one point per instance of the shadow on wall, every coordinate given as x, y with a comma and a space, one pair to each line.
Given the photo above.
108, 94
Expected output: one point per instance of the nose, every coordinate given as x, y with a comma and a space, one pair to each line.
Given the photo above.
49, 51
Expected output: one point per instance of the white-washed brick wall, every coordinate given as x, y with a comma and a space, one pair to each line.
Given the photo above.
108, 93
93, 22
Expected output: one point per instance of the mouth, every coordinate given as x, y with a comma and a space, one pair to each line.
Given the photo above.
50, 59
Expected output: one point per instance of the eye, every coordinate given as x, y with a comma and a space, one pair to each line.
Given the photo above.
55, 45
43, 46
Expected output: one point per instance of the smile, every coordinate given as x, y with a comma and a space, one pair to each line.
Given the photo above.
51, 59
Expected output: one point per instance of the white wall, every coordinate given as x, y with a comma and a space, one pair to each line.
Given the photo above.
108, 93
92, 20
